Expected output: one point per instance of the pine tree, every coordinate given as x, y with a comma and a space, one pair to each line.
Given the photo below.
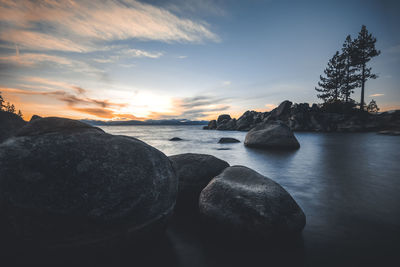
364, 51
372, 107
350, 77
20, 114
330, 86
10, 107
1, 102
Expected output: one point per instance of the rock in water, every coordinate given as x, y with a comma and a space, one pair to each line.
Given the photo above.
10, 123
249, 204
194, 172
175, 139
223, 118
225, 140
271, 135
64, 183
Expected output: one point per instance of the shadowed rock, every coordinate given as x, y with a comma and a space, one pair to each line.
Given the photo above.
175, 139
10, 123
35, 117
55, 124
194, 172
67, 184
223, 118
244, 202
271, 135
225, 140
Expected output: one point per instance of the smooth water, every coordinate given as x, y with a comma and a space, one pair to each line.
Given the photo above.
347, 184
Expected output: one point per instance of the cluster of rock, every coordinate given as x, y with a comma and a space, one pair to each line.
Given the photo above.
303, 117
66, 184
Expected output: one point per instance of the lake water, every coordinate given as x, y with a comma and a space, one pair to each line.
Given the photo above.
347, 184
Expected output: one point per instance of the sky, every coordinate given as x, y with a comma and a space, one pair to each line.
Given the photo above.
191, 59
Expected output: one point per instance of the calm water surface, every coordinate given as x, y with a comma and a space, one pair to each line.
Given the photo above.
347, 184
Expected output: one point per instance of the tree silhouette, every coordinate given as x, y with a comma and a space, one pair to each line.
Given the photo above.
350, 77
1, 102
364, 51
8, 107
330, 85
372, 107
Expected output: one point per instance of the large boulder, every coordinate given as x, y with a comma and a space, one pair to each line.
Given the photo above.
66, 184
247, 203
194, 172
229, 125
10, 123
271, 135
223, 118
282, 112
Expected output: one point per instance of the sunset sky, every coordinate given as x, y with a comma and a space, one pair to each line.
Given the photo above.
183, 58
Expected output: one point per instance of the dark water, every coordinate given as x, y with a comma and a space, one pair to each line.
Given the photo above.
347, 184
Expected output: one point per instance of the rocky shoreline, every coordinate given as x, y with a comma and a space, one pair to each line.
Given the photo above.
303, 117
68, 185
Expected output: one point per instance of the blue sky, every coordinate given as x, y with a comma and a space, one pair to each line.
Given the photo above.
183, 59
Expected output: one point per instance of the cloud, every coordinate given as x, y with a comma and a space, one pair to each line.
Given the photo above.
30, 59
194, 108
226, 83
141, 53
182, 57
375, 95
87, 25
40, 41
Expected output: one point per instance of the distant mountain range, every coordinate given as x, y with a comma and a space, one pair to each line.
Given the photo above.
146, 122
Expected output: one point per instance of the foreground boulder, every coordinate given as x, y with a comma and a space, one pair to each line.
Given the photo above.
194, 172
271, 135
247, 203
10, 123
64, 183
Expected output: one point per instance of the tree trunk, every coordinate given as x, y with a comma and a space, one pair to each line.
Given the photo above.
362, 88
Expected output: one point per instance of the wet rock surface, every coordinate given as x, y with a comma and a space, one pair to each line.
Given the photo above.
227, 140
271, 135
247, 203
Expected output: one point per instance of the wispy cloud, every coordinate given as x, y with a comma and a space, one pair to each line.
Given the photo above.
85, 25
375, 95
30, 59
198, 107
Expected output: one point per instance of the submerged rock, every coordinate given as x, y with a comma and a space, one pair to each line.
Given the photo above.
10, 123
67, 184
271, 135
247, 203
175, 139
225, 140
194, 172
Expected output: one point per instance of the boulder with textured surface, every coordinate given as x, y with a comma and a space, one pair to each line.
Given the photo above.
10, 123
247, 203
194, 172
66, 184
272, 135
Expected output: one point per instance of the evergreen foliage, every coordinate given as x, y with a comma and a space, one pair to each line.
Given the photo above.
372, 107
347, 71
8, 107
364, 51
